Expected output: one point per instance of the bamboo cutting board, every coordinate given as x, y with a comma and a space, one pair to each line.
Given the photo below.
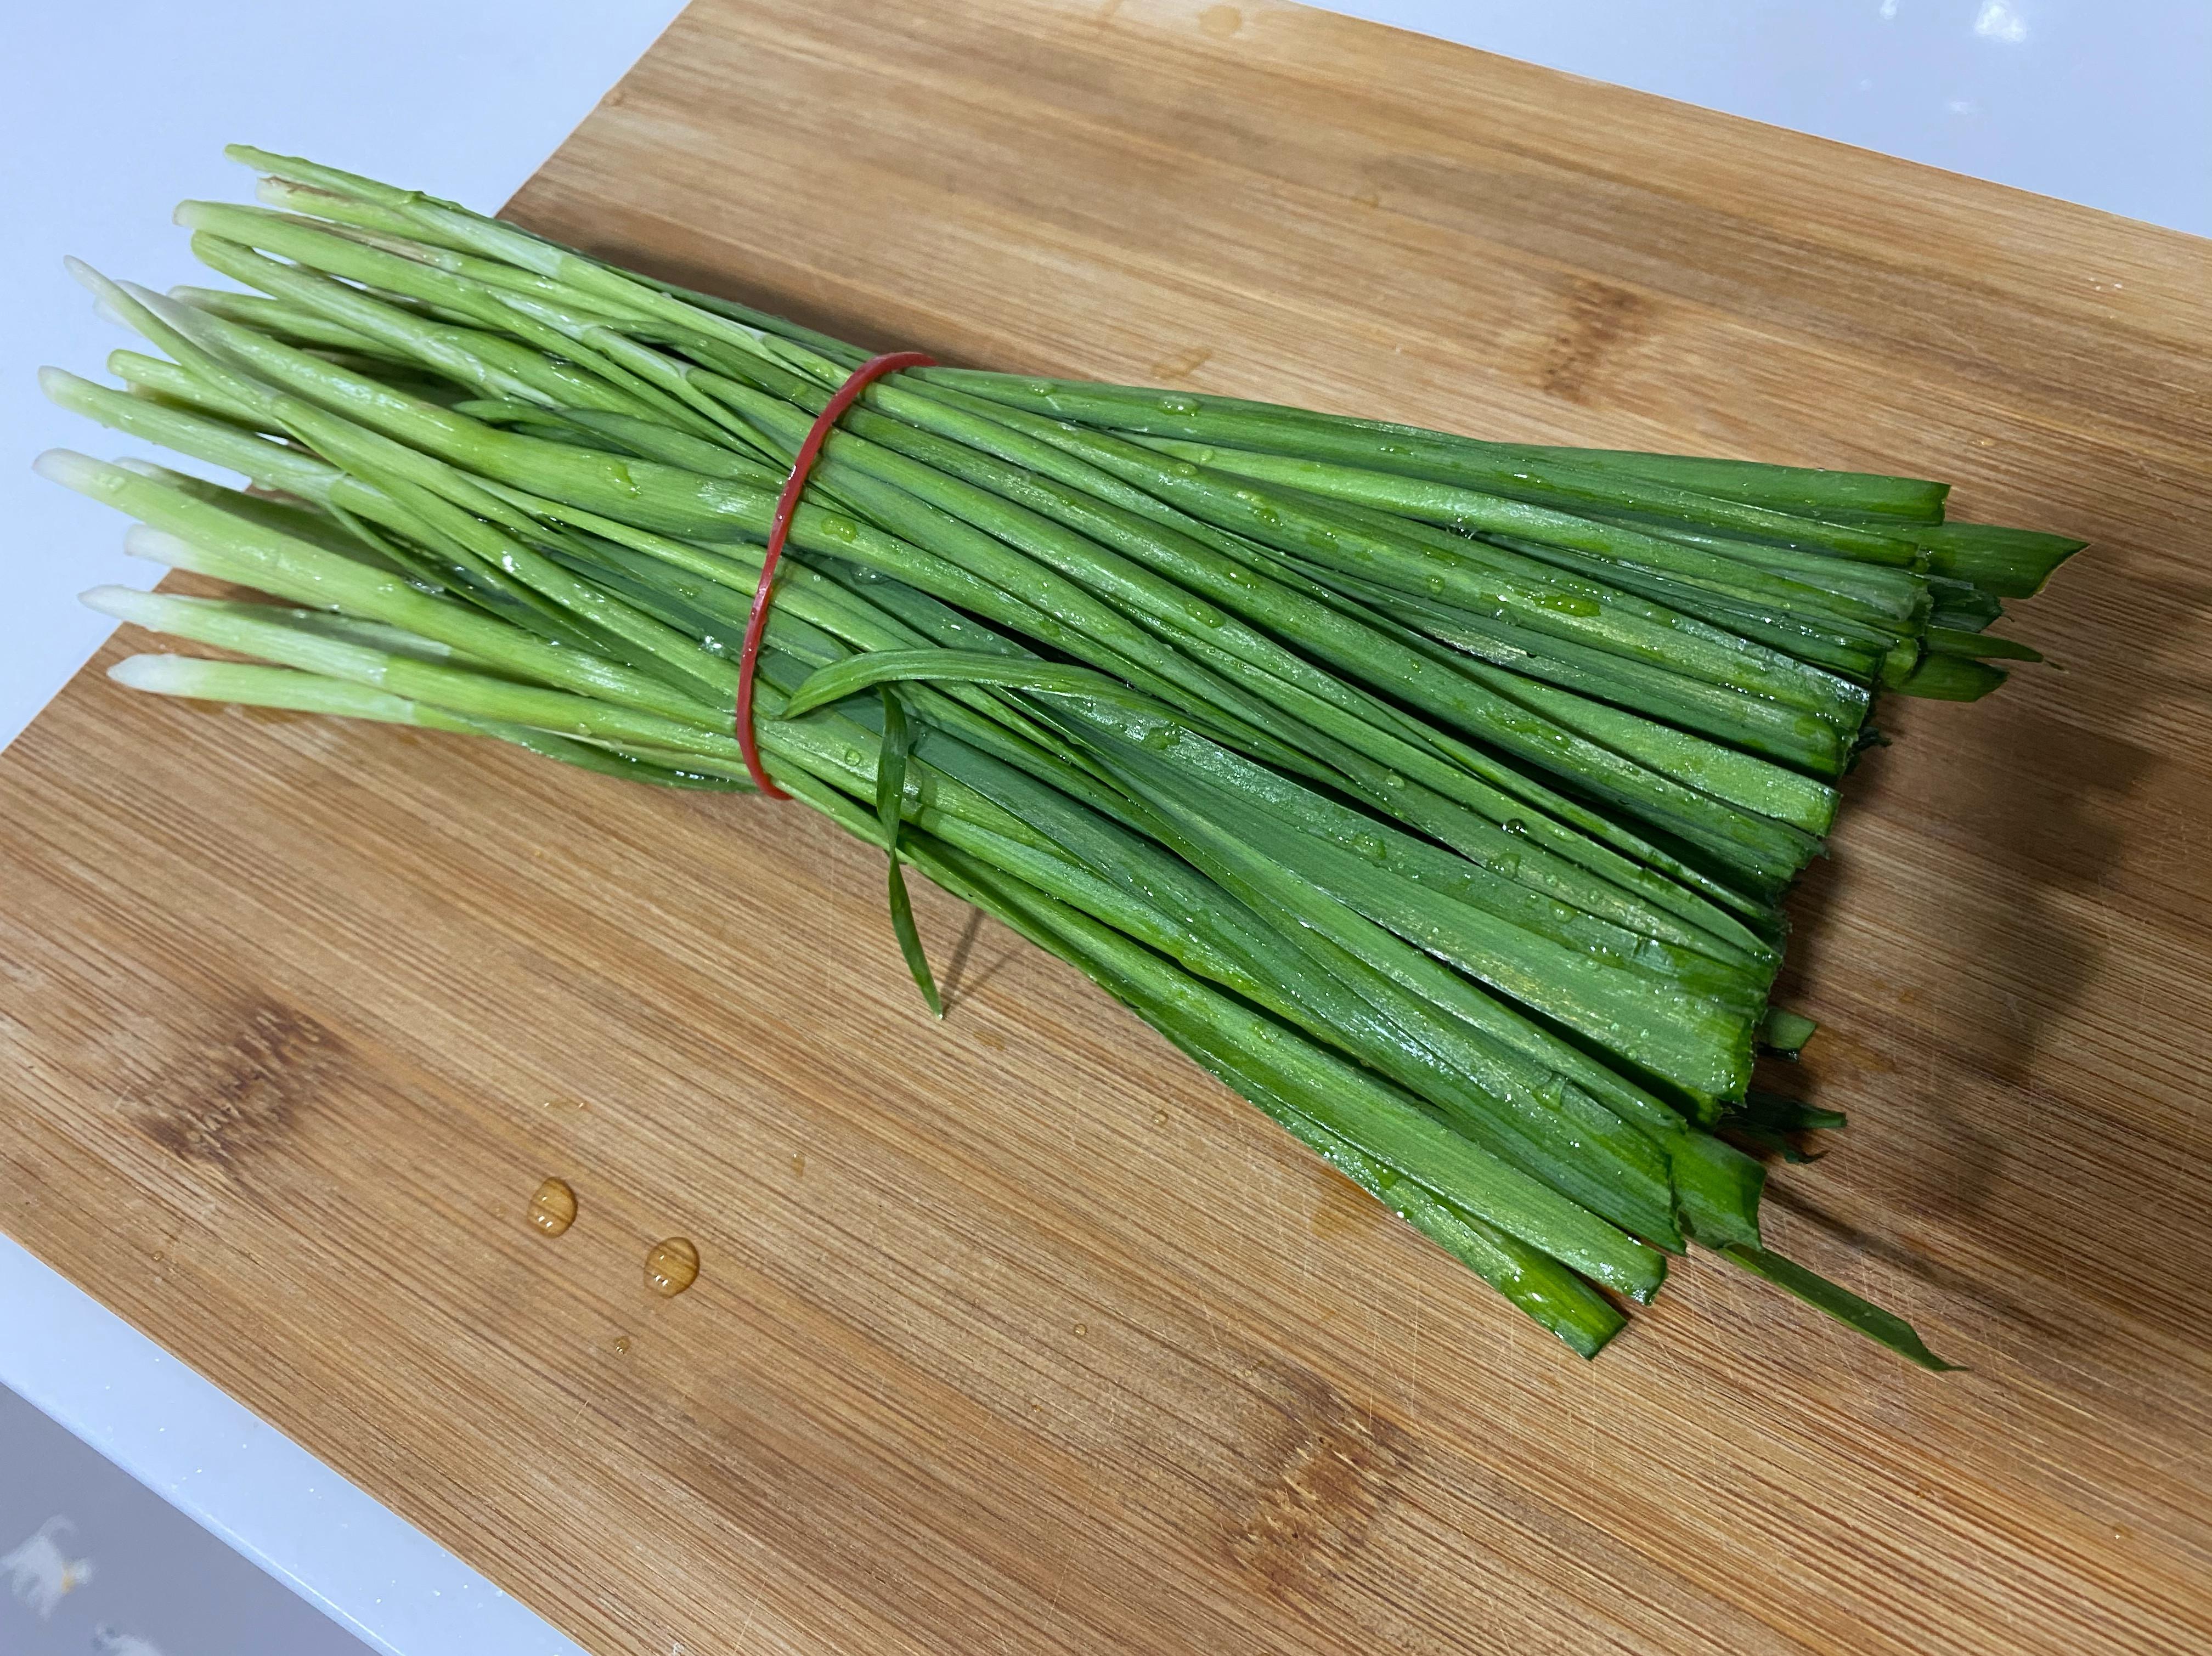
1016, 1334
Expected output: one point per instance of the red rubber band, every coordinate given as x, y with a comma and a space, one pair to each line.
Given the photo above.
780, 528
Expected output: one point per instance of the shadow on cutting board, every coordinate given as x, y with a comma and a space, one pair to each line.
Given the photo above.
1977, 1047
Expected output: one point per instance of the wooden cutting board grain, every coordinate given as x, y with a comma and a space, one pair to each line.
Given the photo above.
1016, 1334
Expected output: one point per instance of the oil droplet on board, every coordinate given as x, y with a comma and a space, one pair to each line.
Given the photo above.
798, 1164
1082, 1329
553, 1208
1159, 1118
671, 1267
621, 1344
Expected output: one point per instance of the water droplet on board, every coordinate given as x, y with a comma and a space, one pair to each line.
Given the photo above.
553, 1208
671, 1267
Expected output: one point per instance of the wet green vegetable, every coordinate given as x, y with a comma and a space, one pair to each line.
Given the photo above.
1438, 795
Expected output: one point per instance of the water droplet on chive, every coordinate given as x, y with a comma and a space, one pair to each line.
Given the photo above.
1567, 603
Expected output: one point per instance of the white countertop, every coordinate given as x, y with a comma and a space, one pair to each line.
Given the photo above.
369, 1570
104, 128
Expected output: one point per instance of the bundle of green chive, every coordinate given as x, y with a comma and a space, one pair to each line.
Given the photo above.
1436, 795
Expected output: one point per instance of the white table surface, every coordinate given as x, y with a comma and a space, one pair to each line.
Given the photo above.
106, 125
